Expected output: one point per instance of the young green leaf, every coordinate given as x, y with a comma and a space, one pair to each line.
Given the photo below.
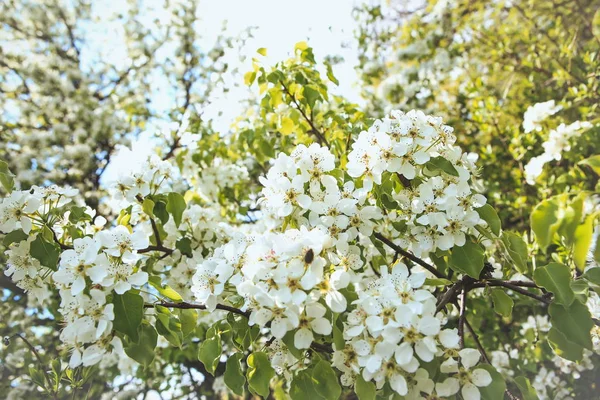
489, 215
176, 206
517, 250
364, 390
494, 390
556, 278
45, 252
259, 373
467, 259
209, 353
129, 311
574, 322
326, 381
142, 351
503, 304
233, 377
583, 241
545, 221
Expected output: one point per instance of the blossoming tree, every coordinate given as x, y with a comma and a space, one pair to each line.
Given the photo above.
314, 252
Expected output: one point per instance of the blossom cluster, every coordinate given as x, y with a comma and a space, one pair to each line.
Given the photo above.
295, 281
393, 328
104, 264
436, 207
305, 186
559, 141
24, 210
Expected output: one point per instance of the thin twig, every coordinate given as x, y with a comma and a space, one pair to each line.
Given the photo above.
410, 256
187, 306
462, 317
320, 137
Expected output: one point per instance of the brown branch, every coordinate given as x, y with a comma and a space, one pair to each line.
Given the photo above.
156, 248
410, 256
462, 317
188, 306
320, 137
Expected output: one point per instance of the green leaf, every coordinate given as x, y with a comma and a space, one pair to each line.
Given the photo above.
572, 218
545, 221
148, 207
302, 387
517, 250
583, 241
527, 391
189, 320
160, 212
176, 206
169, 326
593, 275
209, 353
259, 373
489, 215
312, 95
437, 282
364, 390
184, 245
6, 177
494, 390
503, 304
467, 259
77, 214
330, 75
338, 337
129, 310
164, 290
326, 381
142, 351
243, 334
441, 164
13, 237
556, 278
596, 24
234, 377
45, 252
563, 347
574, 322
262, 51
288, 339
594, 161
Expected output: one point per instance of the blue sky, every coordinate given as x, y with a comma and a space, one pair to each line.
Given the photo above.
327, 25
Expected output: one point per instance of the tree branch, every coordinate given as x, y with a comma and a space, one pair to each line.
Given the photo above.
320, 137
410, 256
187, 306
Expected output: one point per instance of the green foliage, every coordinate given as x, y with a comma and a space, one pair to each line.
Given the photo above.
176, 206
556, 278
143, 349
259, 373
209, 353
574, 322
489, 215
325, 381
164, 290
467, 259
545, 221
494, 390
6, 177
503, 303
234, 377
129, 309
364, 390
45, 251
